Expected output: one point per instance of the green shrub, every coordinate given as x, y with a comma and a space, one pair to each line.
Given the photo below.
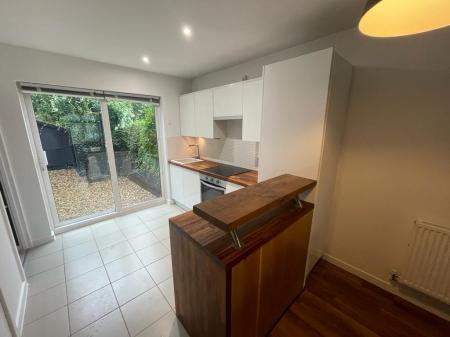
133, 126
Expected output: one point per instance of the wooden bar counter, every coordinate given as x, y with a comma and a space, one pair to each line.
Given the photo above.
222, 291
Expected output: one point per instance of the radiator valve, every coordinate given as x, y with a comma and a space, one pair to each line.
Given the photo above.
395, 275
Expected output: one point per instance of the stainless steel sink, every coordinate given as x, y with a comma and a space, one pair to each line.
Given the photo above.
183, 161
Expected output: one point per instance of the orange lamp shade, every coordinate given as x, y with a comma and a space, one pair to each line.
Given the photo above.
390, 18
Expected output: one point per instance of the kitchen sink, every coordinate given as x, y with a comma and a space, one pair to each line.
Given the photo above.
183, 161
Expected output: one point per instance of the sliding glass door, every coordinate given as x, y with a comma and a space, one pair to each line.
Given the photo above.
135, 144
97, 156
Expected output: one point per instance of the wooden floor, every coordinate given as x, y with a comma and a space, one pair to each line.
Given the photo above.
338, 304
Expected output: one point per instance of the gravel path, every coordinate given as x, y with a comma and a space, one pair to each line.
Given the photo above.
76, 197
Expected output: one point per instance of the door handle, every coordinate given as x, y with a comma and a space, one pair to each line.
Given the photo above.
44, 160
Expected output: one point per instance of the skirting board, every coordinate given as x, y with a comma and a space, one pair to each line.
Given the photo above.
42, 241
385, 285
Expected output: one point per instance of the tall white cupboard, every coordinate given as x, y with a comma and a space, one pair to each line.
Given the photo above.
303, 118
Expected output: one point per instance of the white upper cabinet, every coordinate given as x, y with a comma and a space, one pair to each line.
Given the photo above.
203, 102
203, 113
228, 101
252, 94
187, 115
197, 115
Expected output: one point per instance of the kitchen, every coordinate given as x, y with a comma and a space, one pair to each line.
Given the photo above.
281, 175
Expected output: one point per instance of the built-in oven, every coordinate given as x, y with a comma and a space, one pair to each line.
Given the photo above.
211, 187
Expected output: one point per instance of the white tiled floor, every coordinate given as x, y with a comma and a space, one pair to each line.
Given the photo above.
111, 279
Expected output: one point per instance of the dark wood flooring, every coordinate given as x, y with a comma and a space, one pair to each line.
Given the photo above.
336, 303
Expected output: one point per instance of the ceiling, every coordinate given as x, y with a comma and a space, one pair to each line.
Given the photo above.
225, 32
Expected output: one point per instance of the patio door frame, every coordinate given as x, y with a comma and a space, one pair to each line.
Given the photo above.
60, 227
111, 158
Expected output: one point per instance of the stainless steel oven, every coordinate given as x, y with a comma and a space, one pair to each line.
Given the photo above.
211, 187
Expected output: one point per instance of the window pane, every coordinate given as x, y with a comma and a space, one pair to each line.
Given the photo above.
71, 134
134, 137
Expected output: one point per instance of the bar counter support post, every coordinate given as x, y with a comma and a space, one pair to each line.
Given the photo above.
236, 241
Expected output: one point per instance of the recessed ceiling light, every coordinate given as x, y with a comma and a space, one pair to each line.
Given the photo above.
187, 31
146, 59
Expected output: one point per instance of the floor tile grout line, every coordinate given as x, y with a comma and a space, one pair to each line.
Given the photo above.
41, 256
94, 238
93, 291
148, 326
41, 317
43, 291
103, 316
67, 295
106, 271
144, 267
115, 296
41, 272
104, 265
99, 251
28, 278
85, 272
131, 299
165, 297
120, 307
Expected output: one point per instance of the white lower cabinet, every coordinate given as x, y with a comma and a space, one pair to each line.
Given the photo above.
230, 187
185, 186
191, 188
176, 182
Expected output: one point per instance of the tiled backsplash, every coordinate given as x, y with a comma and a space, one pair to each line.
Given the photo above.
226, 150
231, 151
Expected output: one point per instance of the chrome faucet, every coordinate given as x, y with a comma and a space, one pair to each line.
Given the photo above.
198, 150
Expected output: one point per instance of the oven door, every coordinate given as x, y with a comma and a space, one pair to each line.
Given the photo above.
210, 191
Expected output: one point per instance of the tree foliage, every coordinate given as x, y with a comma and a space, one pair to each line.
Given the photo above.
133, 125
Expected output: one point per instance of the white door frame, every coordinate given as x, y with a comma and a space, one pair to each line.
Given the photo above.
59, 227
42, 160
13, 198
15, 321
110, 154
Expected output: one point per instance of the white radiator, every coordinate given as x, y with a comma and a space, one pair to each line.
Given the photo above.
427, 267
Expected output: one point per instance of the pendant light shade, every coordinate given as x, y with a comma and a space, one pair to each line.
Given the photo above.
390, 18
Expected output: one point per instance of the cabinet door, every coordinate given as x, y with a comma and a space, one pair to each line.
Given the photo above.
176, 183
187, 115
191, 188
296, 89
228, 101
251, 110
230, 187
204, 113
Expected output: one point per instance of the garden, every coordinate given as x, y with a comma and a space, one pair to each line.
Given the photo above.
72, 135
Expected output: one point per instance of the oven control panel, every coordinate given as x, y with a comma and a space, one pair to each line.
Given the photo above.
213, 180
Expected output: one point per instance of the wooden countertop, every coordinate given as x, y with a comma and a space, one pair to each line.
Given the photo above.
245, 179
232, 210
218, 243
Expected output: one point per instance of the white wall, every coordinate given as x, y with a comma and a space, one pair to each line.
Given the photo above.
395, 164
5, 331
23, 64
412, 52
13, 285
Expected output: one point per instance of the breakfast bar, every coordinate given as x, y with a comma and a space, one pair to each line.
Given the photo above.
239, 259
